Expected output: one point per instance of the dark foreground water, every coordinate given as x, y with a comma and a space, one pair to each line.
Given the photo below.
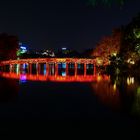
111, 106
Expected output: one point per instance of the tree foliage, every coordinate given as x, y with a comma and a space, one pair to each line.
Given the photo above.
130, 46
108, 46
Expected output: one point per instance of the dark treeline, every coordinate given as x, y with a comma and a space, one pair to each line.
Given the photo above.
8, 46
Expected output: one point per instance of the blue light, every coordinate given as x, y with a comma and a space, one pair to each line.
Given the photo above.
64, 48
23, 48
64, 65
44, 71
79, 66
24, 66
63, 73
59, 66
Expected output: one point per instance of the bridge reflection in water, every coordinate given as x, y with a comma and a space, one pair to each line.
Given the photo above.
52, 69
55, 78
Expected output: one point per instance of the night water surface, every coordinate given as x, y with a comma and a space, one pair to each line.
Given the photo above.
98, 101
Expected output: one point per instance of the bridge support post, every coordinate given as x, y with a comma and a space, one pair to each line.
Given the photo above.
56, 69
19, 68
3, 68
38, 68
85, 69
47, 69
75, 67
94, 65
67, 68
29, 68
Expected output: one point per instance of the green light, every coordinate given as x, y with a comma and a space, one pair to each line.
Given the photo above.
20, 52
136, 33
137, 48
138, 90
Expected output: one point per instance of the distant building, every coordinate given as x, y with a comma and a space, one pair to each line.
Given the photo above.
66, 52
22, 50
48, 53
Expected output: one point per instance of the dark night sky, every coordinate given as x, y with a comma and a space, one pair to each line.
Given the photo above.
57, 23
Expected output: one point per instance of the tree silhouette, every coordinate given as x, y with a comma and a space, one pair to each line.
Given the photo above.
8, 46
130, 46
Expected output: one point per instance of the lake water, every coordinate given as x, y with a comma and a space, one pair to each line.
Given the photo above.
98, 101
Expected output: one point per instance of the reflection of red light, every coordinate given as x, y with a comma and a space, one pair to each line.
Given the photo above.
56, 78
106, 93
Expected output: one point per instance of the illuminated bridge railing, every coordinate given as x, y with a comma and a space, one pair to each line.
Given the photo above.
49, 60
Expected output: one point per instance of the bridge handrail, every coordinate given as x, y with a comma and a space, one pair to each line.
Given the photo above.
49, 60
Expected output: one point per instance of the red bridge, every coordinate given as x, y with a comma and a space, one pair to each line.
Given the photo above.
48, 62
